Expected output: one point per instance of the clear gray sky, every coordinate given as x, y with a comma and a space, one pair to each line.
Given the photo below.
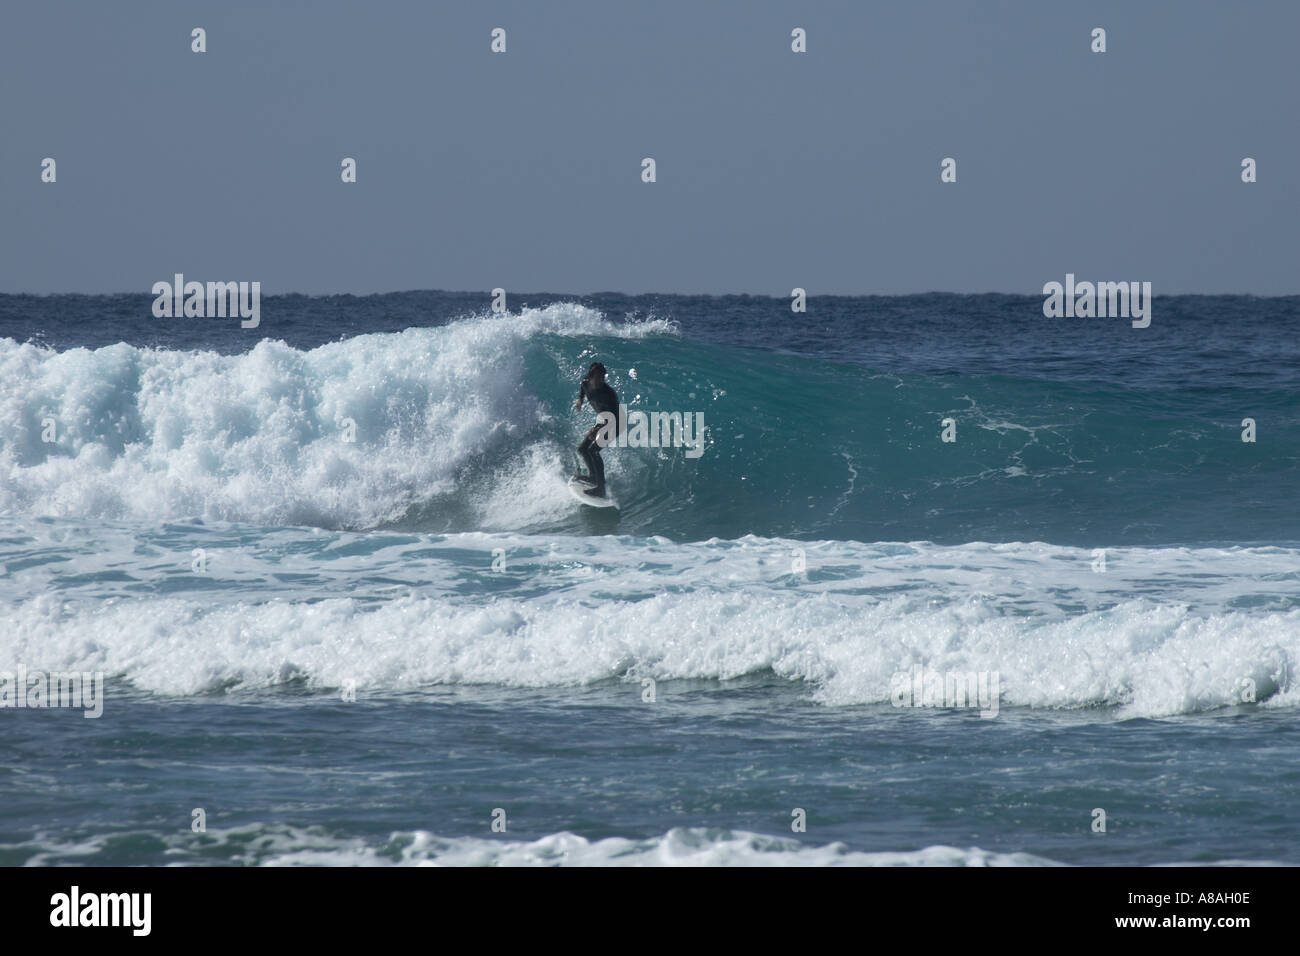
775, 169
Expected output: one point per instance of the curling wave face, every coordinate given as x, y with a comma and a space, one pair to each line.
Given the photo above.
469, 426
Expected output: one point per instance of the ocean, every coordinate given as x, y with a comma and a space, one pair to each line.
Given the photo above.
946, 582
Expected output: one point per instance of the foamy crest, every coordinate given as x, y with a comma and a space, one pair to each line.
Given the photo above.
260, 437
1137, 657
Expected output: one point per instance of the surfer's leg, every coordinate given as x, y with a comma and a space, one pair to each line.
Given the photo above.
597, 466
582, 454
587, 451
590, 453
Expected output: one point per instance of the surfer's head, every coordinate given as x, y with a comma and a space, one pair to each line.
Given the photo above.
596, 373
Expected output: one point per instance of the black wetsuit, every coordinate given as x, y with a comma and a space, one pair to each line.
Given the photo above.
602, 399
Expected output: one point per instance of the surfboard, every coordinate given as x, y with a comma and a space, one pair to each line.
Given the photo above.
579, 488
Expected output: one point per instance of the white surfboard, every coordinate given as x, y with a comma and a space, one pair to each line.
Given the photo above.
579, 488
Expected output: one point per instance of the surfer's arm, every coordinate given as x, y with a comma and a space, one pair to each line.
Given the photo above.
582, 391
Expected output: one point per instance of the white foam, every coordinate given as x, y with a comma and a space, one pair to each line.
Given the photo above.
259, 437
678, 847
270, 845
625, 609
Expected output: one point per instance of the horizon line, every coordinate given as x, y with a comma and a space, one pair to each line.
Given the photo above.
708, 295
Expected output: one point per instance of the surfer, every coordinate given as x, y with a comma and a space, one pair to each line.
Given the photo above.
603, 399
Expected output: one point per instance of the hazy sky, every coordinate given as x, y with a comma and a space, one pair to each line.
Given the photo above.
775, 169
